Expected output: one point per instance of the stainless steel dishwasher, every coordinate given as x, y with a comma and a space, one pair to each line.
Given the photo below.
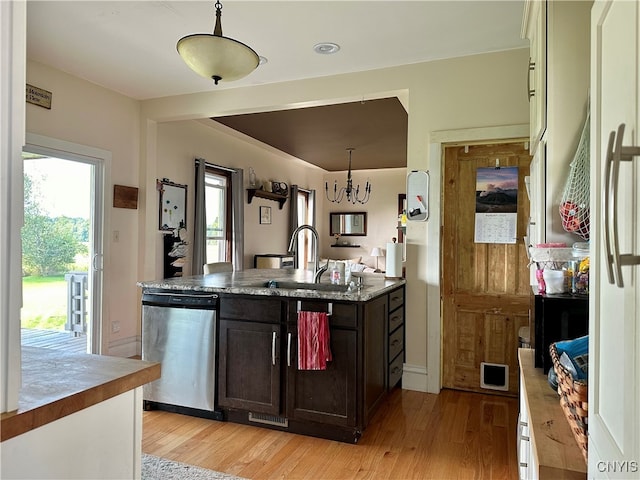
179, 330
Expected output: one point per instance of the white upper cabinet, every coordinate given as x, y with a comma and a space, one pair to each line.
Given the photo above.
558, 74
534, 28
614, 286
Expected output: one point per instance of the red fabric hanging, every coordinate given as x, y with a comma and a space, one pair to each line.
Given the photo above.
314, 349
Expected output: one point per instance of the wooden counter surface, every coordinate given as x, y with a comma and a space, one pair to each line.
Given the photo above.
56, 383
558, 454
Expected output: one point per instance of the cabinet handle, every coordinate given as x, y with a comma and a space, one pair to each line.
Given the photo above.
615, 155
289, 349
524, 437
523, 464
532, 67
273, 348
523, 424
605, 205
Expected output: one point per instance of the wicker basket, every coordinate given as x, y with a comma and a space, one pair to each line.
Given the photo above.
573, 400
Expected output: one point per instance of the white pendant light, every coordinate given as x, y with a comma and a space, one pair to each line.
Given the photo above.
217, 57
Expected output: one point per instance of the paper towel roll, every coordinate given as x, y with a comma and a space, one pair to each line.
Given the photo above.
394, 260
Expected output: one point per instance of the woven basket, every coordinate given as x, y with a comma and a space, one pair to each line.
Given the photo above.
573, 400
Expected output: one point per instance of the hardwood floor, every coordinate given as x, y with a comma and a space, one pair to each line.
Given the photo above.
454, 435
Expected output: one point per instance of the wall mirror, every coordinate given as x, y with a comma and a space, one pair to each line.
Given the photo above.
173, 205
348, 224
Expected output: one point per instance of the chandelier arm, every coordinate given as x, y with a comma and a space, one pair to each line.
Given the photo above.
338, 195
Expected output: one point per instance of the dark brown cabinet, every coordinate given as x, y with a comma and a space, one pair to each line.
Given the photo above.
395, 344
375, 355
259, 380
249, 354
325, 396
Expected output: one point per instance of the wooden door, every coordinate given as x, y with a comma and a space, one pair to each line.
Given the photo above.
614, 313
485, 286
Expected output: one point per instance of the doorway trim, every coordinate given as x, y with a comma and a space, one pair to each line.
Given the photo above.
101, 161
437, 141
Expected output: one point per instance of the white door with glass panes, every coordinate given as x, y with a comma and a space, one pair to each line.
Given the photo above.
614, 296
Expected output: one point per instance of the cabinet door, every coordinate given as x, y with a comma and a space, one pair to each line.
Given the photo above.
614, 336
536, 32
249, 369
325, 396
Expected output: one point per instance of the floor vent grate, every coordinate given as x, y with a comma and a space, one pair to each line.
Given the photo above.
268, 419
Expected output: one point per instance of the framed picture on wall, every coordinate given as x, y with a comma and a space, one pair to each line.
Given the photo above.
173, 205
265, 215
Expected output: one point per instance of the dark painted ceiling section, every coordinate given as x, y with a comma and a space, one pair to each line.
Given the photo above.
376, 129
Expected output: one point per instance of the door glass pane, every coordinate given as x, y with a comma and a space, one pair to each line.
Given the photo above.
57, 248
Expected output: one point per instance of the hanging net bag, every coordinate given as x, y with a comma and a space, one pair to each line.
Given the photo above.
574, 206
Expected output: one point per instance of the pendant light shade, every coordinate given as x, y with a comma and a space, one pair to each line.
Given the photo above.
217, 57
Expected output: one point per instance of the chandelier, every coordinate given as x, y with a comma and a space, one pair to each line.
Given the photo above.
352, 195
215, 56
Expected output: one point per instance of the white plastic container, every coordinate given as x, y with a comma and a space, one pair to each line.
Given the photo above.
555, 281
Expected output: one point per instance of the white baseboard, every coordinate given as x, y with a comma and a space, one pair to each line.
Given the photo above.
414, 377
125, 347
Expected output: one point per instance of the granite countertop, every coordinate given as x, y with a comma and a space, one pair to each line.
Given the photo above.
57, 383
253, 282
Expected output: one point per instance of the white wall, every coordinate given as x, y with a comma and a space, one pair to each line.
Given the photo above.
86, 114
179, 143
382, 213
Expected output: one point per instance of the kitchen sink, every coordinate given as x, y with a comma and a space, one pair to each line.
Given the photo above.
323, 287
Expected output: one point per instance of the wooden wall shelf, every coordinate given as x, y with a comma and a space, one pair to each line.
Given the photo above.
276, 197
345, 246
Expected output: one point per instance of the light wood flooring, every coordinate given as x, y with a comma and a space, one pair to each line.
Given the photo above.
453, 435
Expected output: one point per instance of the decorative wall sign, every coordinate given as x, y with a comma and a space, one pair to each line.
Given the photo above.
496, 205
39, 97
125, 197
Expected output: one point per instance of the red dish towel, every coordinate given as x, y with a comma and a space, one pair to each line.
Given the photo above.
313, 341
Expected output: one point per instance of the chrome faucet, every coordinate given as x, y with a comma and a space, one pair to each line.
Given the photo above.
293, 245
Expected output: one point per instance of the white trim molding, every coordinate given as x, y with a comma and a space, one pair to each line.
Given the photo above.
414, 377
13, 47
125, 347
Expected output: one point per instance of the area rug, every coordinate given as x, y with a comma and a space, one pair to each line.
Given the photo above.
157, 468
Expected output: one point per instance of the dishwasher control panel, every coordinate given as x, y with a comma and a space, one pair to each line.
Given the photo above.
205, 300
